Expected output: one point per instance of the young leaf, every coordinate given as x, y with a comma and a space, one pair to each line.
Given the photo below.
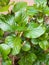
19, 6
21, 17
46, 10
44, 44
32, 10
35, 41
40, 20
40, 2
26, 46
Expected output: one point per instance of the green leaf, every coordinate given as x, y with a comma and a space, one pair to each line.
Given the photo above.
31, 57
20, 29
28, 59
32, 10
4, 26
18, 16
35, 41
35, 32
47, 29
17, 46
19, 6
40, 20
40, 2
7, 23
1, 32
5, 50
26, 46
4, 2
44, 37
21, 19
44, 44
9, 41
7, 62
5, 8
42, 59
46, 10
32, 25
15, 43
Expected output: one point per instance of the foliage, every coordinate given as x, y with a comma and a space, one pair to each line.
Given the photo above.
24, 33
